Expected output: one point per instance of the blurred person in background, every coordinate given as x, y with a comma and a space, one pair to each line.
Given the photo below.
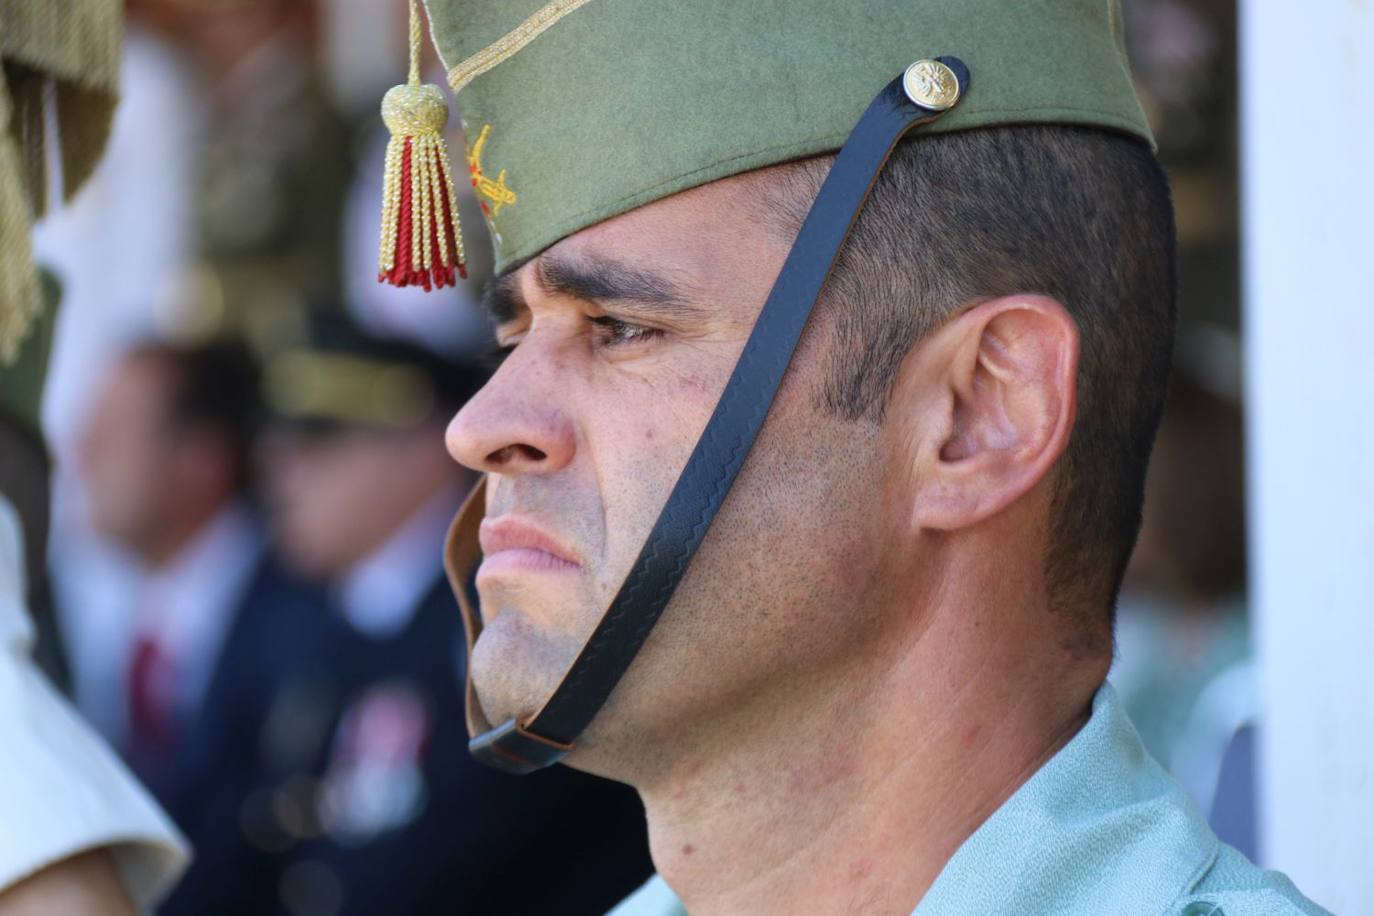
275, 156
165, 460
217, 207
223, 187
1184, 660
400, 819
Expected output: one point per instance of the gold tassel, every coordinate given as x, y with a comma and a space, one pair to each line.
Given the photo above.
422, 242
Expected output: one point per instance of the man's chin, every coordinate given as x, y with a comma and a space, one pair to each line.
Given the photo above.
516, 664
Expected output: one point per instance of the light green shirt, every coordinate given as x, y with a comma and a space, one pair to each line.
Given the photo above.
1100, 828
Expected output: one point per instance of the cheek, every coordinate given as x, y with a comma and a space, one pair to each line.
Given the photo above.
638, 448
140, 474
695, 389
795, 548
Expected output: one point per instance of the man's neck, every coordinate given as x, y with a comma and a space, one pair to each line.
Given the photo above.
852, 801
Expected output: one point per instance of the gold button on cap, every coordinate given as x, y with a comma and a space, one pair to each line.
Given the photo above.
931, 84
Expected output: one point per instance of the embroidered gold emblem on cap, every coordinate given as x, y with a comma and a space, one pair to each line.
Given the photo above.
493, 195
931, 84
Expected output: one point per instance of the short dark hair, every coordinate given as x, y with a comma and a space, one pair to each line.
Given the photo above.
215, 385
1078, 214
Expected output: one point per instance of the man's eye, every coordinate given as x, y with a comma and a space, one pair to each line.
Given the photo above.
612, 332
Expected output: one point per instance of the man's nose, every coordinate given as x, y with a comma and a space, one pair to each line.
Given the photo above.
515, 424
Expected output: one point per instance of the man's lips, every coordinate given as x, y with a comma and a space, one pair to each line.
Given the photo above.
510, 544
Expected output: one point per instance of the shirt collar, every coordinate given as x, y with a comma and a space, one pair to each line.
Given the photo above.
203, 582
190, 604
1099, 828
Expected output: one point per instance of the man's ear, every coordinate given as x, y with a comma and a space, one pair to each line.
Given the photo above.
999, 384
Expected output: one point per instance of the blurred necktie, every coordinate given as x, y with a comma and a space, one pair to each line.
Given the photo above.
152, 718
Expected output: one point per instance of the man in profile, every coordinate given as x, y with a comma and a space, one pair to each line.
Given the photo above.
214, 618
879, 684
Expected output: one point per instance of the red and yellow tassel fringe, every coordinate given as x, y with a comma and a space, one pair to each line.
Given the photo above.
422, 242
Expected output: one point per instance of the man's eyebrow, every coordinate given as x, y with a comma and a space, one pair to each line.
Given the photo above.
603, 280
502, 299
592, 279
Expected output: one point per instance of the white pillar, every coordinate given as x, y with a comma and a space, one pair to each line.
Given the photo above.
1307, 161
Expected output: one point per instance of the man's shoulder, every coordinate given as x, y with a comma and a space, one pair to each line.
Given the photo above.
1233, 886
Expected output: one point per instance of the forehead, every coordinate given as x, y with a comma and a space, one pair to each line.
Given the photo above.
708, 239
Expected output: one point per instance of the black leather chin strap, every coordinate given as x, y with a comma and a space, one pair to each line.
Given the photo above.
542, 739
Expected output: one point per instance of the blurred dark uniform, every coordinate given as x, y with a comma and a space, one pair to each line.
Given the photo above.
395, 816
220, 764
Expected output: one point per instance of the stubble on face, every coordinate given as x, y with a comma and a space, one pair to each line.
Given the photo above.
756, 610
633, 416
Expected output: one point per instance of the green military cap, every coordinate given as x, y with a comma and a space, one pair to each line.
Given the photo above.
578, 110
